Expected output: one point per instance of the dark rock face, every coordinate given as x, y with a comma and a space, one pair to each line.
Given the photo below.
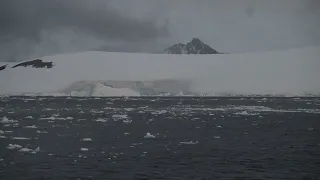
196, 46
3, 67
38, 63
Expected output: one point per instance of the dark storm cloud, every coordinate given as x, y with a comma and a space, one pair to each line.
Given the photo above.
27, 18
30, 22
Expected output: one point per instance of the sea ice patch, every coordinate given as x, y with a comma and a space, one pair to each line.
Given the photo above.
127, 121
41, 132
21, 138
25, 150
189, 142
5, 120
14, 146
117, 117
101, 120
31, 127
245, 113
149, 136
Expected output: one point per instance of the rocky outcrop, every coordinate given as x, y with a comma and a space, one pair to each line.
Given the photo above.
3, 67
196, 46
38, 63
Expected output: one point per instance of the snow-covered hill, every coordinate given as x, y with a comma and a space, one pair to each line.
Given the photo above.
92, 73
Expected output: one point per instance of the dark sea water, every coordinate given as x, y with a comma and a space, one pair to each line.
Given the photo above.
190, 138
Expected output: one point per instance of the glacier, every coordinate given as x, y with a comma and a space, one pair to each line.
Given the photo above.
96, 73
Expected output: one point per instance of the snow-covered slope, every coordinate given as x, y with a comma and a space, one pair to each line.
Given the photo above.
282, 72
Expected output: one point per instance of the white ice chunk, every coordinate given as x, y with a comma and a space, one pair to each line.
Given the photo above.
119, 116
189, 142
101, 120
21, 138
14, 146
37, 149
127, 121
84, 149
149, 136
31, 127
25, 150
5, 120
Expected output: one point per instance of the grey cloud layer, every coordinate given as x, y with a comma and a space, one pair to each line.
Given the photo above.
45, 24
32, 28
27, 18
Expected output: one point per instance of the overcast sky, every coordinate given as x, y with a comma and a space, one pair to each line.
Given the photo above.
33, 28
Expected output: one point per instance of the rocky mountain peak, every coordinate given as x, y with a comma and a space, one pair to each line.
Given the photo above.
195, 46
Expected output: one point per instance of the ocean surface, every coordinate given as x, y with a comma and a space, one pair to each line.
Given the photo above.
176, 138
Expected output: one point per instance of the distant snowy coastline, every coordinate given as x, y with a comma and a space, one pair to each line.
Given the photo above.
279, 73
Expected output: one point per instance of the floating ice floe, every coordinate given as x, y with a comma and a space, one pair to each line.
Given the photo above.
101, 120
41, 132
266, 109
84, 149
37, 149
1, 132
159, 112
190, 142
14, 146
149, 121
28, 150
56, 117
86, 139
245, 113
29, 117
129, 109
5, 120
117, 117
127, 121
96, 112
49, 118
31, 127
21, 138
1, 159
149, 136
25, 150
3, 137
